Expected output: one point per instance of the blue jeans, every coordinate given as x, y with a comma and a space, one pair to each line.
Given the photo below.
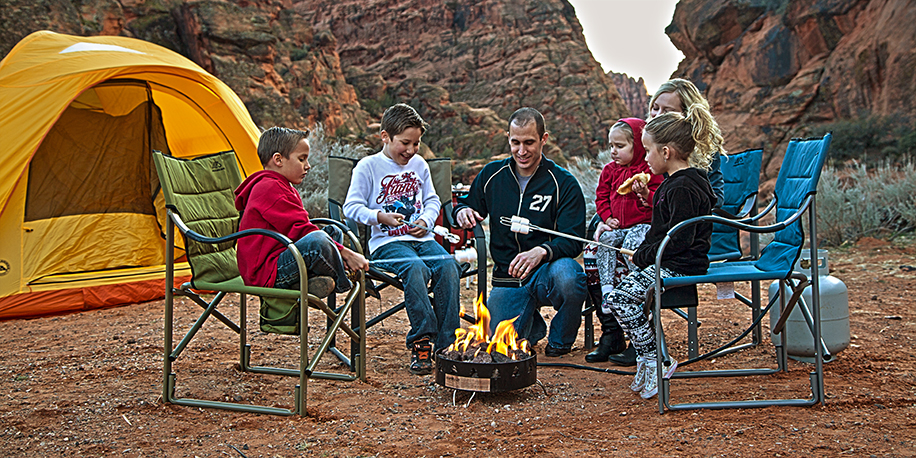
437, 320
560, 284
321, 259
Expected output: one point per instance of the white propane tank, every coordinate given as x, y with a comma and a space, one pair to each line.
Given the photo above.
834, 313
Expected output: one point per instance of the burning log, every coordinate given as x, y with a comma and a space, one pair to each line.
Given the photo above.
474, 344
477, 362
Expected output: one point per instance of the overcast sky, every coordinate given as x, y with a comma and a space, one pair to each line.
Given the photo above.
628, 36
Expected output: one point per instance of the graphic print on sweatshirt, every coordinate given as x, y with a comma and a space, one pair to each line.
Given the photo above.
398, 194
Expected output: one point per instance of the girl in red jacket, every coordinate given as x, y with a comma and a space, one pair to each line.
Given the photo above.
625, 219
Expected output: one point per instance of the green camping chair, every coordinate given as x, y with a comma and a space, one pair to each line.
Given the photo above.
199, 200
340, 169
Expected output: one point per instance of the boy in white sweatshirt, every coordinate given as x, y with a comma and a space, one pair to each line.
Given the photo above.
388, 189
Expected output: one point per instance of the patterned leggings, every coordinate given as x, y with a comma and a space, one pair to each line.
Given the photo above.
626, 303
610, 269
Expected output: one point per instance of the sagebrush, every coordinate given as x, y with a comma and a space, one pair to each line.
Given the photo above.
587, 171
854, 202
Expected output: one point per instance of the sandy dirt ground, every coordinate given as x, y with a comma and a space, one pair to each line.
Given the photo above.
89, 384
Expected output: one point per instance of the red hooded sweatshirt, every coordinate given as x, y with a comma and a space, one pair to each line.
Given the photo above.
627, 208
267, 200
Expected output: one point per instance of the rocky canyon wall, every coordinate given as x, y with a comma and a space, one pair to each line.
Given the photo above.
633, 92
773, 70
466, 65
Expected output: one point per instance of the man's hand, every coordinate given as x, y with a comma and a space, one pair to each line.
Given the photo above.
390, 219
467, 218
418, 231
526, 262
352, 260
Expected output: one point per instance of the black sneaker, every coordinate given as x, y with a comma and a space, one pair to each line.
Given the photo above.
421, 357
553, 352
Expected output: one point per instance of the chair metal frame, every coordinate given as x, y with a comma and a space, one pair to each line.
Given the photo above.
354, 305
751, 271
744, 205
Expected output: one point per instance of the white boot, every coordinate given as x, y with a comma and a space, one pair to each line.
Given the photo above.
651, 387
640, 380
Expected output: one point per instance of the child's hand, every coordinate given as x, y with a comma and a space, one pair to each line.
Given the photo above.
390, 219
418, 231
613, 223
641, 189
600, 229
353, 260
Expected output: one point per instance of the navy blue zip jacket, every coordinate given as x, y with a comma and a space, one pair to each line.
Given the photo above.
552, 200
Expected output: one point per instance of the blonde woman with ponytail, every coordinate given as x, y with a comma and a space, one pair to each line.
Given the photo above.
681, 147
676, 95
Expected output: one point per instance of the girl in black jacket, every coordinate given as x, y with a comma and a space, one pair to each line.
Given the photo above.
675, 145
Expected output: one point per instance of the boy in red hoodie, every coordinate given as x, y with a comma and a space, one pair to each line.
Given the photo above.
268, 200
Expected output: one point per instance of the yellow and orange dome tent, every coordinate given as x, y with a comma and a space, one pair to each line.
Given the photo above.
80, 224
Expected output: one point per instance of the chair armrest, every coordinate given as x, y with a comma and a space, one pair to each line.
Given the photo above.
732, 223
200, 238
742, 213
354, 240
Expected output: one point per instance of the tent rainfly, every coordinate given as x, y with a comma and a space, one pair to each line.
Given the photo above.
81, 214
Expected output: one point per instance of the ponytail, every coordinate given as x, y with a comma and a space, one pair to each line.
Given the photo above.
706, 136
696, 137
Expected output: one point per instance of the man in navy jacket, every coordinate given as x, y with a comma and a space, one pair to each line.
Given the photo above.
535, 269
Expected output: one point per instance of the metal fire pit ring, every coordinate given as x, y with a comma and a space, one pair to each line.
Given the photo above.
486, 377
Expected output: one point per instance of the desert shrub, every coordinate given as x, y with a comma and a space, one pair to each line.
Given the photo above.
314, 189
854, 202
871, 140
907, 144
587, 171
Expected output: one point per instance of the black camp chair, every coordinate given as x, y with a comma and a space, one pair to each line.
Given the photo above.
340, 169
200, 202
794, 197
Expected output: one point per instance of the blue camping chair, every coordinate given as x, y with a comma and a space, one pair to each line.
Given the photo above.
794, 196
742, 178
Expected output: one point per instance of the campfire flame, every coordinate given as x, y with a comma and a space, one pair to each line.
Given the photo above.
477, 337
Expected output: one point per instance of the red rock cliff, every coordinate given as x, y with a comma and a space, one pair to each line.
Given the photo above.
633, 92
773, 70
465, 64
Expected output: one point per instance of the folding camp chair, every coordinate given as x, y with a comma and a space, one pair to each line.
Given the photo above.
794, 196
340, 169
199, 200
742, 178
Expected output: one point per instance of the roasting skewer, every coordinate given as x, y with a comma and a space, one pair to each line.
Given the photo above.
468, 255
523, 226
438, 230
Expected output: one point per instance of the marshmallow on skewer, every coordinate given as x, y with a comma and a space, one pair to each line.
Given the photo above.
466, 255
